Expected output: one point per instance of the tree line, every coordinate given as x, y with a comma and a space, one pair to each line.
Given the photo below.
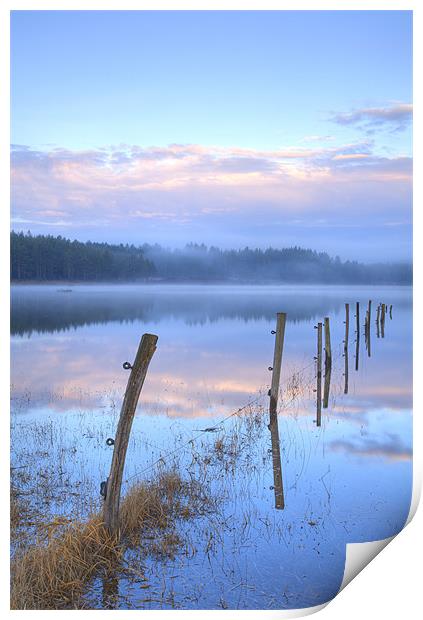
44, 257
47, 258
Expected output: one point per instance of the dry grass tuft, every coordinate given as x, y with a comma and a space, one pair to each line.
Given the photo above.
218, 446
54, 572
20, 519
152, 505
54, 575
17, 510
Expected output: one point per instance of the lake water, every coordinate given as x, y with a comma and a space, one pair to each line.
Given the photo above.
348, 480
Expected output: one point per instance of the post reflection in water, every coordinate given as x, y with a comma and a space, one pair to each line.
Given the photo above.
326, 388
110, 591
276, 462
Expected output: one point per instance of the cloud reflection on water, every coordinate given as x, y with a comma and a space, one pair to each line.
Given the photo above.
202, 368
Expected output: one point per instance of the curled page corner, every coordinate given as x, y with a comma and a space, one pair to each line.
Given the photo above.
279, 614
358, 555
416, 494
308, 611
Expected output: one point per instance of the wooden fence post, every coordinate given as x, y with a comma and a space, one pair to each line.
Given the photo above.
347, 331
277, 362
368, 333
382, 321
366, 324
274, 394
319, 376
328, 364
378, 321
390, 311
369, 327
357, 342
136, 379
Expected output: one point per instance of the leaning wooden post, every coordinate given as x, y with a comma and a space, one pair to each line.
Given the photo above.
136, 379
277, 362
274, 394
319, 376
357, 342
347, 331
328, 364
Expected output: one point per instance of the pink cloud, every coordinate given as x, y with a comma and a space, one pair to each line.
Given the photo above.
211, 188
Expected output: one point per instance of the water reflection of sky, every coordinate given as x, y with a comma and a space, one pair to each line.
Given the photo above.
213, 353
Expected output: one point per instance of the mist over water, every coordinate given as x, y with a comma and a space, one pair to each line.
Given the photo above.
58, 307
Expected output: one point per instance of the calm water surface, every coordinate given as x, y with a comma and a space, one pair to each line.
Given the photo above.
347, 481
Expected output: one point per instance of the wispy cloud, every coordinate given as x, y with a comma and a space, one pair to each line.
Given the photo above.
394, 118
317, 138
351, 156
391, 448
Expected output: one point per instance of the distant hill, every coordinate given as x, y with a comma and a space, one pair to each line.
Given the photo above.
46, 258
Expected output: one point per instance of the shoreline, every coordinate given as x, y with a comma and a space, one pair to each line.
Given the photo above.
64, 284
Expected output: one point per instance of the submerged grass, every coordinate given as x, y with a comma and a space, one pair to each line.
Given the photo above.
151, 506
54, 572
54, 575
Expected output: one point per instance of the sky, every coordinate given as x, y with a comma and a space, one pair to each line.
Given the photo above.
230, 128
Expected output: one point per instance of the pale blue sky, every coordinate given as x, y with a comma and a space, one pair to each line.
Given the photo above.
336, 85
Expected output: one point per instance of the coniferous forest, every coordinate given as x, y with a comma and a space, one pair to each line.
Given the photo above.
46, 258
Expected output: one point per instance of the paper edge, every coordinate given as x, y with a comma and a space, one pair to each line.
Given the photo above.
358, 555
